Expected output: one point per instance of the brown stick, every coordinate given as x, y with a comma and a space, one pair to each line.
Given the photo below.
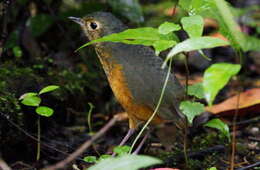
233, 142
83, 147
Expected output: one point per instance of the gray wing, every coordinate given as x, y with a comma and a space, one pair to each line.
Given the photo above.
142, 69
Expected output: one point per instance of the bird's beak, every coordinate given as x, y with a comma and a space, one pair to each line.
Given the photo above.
77, 20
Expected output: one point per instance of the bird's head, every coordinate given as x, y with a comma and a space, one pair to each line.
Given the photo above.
99, 24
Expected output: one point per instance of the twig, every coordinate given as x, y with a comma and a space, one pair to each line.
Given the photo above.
186, 63
3, 165
83, 147
233, 144
31, 136
254, 138
38, 155
253, 120
249, 166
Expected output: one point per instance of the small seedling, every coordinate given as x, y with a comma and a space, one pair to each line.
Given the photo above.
34, 99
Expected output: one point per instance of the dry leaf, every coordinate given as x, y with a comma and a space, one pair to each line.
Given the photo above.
249, 102
218, 35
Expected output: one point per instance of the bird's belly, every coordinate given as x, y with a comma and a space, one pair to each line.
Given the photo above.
136, 112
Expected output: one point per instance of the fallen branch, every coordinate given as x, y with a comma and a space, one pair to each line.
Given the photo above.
250, 166
83, 147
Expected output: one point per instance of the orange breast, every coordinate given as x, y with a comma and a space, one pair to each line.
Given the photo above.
136, 112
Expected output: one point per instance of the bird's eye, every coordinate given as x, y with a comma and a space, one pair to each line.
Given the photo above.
93, 25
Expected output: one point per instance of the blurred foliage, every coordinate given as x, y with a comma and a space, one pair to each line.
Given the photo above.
39, 24
128, 8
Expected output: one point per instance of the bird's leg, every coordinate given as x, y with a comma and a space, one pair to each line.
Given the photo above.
130, 132
141, 143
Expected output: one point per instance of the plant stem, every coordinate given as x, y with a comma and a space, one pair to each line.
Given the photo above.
185, 145
233, 143
39, 139
91, 107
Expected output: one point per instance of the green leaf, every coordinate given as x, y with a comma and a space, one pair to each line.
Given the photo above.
104, 156
168, 27
12, 40
220, 11
216, 77
212, 168
131, 9
220, 125
48, 89
90, 159
126, 162
193, 7
228, 20
39, 24
197, 43
17, 51
44, 111
252, 44
193, 25
31, 100
198, 6
191, 109
196, 90
28, 95
121, 150
185, 4
162, 45
144, 36
145, 33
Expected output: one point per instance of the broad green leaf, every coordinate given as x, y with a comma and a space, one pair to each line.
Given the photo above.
227, 17
12, 40
228, 25
252, 44
197, 43
126, 162
196, 90
90, 159
216, 77
193, 7
48, 89
191, 109
193, 25
17, 51
104, 156
31, 100
136, 42
146, 33
168, 27
220, 125
144, 36
27, 95
130, 9
185, 4
121, 150
161, 45
212, 168
198, 6
44, 111
39, 24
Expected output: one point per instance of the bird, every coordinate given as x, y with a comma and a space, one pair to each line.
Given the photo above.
134, 74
